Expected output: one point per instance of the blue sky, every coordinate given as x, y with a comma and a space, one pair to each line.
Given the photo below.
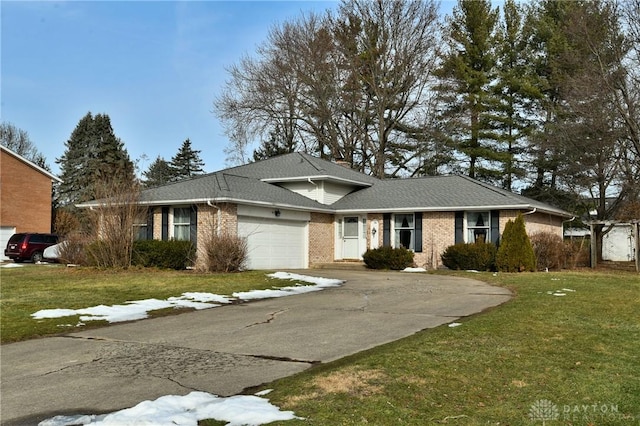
153, 67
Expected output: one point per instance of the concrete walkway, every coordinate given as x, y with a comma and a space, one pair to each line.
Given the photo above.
227, 349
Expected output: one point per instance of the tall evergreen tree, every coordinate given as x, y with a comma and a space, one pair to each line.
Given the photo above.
187, 162
466, 74
159, 173
511, 116
93, 156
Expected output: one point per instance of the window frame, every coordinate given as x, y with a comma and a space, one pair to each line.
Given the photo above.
396, 231
186, 225
470, 238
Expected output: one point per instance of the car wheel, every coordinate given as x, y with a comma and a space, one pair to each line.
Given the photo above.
36, 257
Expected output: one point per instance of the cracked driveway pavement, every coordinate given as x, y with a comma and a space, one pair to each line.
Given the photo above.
227, 349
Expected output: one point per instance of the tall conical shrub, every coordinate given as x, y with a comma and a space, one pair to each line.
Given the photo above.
515, 253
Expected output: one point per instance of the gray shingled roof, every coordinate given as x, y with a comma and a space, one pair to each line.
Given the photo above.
224, 187
436, 193
254, 184
299, 165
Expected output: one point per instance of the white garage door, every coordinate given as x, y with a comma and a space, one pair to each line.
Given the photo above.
274, 243
5, 233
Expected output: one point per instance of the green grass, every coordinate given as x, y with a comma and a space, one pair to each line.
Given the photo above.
575, 350
31, 288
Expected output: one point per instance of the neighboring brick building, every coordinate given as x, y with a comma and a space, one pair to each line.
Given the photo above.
296, 211
25, 196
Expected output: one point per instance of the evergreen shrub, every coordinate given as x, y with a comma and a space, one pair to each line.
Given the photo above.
474, 256
163, 254
395, 259
515, 253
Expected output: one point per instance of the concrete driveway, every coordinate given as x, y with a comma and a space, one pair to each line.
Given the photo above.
227, 349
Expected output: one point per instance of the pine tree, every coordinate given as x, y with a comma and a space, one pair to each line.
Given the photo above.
515, 91
515, 253
186, 163
159, 173
467, 71
93, 156
274, 146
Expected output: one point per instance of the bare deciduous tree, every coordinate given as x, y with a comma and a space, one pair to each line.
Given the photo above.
345, 86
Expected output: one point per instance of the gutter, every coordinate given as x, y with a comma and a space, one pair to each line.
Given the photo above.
218, 217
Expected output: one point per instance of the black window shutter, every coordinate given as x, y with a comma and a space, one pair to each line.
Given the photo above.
150, 224
418, 238
386, 230
165, 223
193, 228
459, 238
495, 227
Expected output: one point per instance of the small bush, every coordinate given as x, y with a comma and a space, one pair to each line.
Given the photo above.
550, 251
474, 256
225, 253
515, 253
395, 259
163, 254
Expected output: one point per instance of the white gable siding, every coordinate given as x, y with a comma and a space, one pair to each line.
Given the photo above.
333, 192
306, 189
321, 191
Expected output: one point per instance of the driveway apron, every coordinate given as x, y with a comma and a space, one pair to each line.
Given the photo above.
227, 349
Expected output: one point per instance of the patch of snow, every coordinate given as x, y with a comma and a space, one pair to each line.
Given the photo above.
414, 270
319, 281
139, 309
562, 292
264, 392
11, 265
455, 324
185, 410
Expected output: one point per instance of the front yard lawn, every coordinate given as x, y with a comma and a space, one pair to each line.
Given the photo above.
30, 288
565, 350
541, 357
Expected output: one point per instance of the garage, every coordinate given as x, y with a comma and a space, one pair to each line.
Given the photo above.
5, 233
274, 243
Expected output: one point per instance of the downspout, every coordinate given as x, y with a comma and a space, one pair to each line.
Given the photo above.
567, 221
531, 212
316, 190
218, 217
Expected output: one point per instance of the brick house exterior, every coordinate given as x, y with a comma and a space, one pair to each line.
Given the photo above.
297, 211
25, 195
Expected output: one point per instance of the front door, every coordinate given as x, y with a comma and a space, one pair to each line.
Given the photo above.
350, 237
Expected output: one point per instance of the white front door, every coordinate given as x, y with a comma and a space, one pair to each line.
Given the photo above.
351, 237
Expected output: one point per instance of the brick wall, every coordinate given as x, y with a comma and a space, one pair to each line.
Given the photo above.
25, 196
438, 233
321, 238
534, 223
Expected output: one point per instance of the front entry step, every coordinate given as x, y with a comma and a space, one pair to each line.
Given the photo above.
344, 265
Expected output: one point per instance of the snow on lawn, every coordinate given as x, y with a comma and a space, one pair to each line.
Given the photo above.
185, 410
139, 309
11, 265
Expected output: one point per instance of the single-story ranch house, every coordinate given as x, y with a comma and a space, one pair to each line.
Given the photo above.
297, 211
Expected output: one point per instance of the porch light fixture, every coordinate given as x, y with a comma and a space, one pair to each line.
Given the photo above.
277, 213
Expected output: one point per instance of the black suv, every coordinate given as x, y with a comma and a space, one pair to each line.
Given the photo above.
27, 246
